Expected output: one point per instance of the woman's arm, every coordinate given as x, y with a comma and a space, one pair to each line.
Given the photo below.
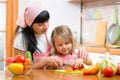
40, 64
50, 61
17, 51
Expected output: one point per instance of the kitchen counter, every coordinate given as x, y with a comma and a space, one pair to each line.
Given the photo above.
100, 49
38, 74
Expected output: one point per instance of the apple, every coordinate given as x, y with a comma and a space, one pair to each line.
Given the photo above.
10, 60
118, 69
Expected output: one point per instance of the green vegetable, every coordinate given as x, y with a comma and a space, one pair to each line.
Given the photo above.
28, 55
107, 62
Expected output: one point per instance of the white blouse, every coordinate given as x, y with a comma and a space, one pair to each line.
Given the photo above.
19, 42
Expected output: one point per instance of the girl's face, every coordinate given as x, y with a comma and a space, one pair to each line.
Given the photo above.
62, 46
40, 28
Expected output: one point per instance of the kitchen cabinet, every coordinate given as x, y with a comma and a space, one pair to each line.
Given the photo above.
95, 3
92, 47
100, 5
86, 1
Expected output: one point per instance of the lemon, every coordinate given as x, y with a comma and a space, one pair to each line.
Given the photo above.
16, 68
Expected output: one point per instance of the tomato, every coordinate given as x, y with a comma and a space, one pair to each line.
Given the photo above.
19, 59
10, 60
81, 67
118, 69
68, 69
73, 68
108, 71
107, 62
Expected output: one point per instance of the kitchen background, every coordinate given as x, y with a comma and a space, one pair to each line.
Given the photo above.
83, 25
98, 14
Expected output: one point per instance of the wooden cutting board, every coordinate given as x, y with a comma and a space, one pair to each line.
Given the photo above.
101, 33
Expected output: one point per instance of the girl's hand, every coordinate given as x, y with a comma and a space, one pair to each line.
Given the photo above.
77, 63
83, 54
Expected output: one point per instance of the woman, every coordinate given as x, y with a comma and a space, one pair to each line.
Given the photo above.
31, 36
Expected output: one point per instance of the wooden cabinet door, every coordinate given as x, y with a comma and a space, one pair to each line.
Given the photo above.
11, 17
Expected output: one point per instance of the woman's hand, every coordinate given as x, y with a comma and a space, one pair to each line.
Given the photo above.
54, 62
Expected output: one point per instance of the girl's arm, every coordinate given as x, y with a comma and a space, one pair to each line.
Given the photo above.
87, 61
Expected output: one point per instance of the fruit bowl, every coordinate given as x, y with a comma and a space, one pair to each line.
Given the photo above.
18, 68
19, 64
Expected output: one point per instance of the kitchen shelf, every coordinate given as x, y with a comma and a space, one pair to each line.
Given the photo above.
78, 1
100, 49
103, 50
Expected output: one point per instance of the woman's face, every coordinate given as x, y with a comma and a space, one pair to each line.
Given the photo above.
40, 28
62, 46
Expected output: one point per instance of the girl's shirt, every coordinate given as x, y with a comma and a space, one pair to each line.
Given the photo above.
70, 58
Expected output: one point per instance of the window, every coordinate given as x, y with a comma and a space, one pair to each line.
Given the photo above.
2, 30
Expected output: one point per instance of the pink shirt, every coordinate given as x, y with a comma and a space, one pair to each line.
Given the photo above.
69, 59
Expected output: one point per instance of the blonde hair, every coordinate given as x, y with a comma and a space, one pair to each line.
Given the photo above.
64, 32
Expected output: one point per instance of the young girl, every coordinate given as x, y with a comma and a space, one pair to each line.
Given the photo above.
31, 36
66, 47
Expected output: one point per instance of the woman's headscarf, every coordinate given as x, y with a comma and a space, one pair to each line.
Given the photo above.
30, 13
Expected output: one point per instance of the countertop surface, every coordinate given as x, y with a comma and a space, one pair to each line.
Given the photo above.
38, 74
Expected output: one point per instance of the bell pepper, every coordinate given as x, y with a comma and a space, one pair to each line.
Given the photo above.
91, 70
